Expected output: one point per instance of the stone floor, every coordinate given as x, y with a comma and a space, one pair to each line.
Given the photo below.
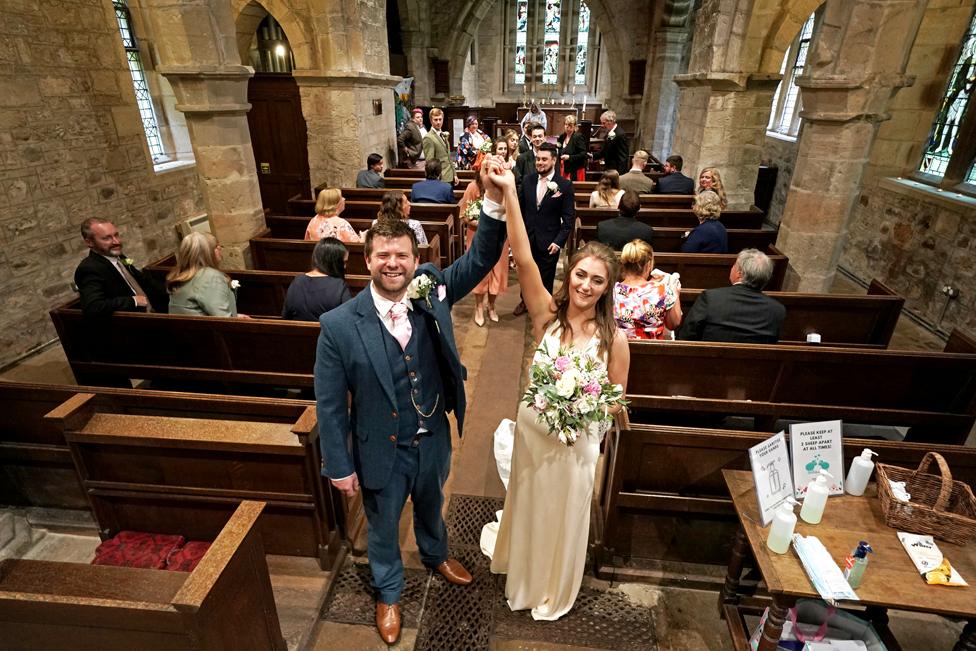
682, 618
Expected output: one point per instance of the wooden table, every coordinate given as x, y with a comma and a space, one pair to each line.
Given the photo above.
890, 581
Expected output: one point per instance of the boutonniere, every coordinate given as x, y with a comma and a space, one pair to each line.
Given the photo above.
552, 187
129, 262
420, 288
611, 136
235, 284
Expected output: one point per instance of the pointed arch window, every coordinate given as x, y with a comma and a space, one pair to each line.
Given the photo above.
785, 116
139, 82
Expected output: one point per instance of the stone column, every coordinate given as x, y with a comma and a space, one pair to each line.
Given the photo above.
342, 125
840, 120
660, 91
214, 101
721, 123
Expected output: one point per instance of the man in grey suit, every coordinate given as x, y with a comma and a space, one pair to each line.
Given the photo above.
740, 313
387, 372
411, 140
635, 179
436, 146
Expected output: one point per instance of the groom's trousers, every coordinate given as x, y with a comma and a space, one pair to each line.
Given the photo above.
419, 471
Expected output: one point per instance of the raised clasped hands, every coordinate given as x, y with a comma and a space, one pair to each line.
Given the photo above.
496, 178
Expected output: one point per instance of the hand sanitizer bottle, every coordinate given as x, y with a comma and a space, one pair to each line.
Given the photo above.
816, 498
856, 563
860, 473
781, 533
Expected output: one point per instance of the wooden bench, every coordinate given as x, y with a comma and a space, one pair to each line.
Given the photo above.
271, 254
839, 319
673, 217
933, 394
669, 240
663, 504
710, 270
225, 603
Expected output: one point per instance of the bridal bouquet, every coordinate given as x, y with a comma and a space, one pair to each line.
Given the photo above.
473, 212
571, 393
485, 147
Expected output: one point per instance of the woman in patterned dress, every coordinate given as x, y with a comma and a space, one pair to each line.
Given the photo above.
646, 305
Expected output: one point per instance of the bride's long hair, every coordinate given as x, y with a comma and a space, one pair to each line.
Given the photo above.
606, 325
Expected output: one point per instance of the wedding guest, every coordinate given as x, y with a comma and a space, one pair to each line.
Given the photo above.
710, 179
512, 139
635, 179
196, 285
537, 115
496, 282
372, 176
615, 152
710, 235
616, 232
411, 140
673, 181
525, 164
432, 189
608, 192
394, 206
327, 222
323, 288
572, 150
437, 146
470, 143
645, 305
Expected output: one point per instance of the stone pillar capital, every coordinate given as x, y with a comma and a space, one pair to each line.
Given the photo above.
728, 81
209, 89
344, 79
845, 99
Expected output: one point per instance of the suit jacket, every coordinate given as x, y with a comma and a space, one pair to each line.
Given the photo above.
636, 181
553, 219
674, 183
410, 144
524, 145
737, 314
431, 191
615, 152
618, 231
576, 149
351, 362
436, 148
709, 236
524, 165
103, 290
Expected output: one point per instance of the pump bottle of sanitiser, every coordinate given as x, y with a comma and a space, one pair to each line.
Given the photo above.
816, 498
781, 533
860, 473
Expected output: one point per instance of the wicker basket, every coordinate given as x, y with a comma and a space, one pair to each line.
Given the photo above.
939, 506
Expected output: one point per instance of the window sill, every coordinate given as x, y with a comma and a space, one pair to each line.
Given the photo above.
781, 136
946, 198
173, 166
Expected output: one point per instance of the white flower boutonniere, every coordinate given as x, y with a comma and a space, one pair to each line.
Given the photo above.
420, 288
551, 186
611, 136
235, 285
128, 262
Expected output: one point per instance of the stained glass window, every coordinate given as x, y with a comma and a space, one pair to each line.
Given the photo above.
138, 73
962, 80
521, 29
550, 52
582, 38
788, 115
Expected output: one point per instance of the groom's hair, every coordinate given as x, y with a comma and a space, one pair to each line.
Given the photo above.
391, 229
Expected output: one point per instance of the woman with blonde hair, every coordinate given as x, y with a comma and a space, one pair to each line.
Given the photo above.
645, 304
608, 192
512, 138
327, 222
710, 235
710, 179
196, 285
572, 151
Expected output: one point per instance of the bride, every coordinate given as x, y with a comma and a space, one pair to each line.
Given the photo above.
542, 539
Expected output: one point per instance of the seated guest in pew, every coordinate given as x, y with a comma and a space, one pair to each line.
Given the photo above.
635, 179
395, 206
608, 192
622, 229
432, 189
710, 179
740, 313
372, 176
327, 222
710, 235
107, 280
196, 286
673, 181
646, 305
314, 293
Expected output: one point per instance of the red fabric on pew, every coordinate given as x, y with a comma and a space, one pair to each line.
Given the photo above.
137, 549
186, 558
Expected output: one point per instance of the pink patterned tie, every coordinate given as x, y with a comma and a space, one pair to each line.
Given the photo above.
401, 324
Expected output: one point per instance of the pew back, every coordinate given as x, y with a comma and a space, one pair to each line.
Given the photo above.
271, 254
709, 270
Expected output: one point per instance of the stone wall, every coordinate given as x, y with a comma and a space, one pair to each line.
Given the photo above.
72, 146
781, 152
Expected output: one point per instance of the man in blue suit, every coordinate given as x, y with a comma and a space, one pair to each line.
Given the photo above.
392, 350
432, 189
549, 210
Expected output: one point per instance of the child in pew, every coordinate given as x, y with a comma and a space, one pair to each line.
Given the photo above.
314, 293
196, 285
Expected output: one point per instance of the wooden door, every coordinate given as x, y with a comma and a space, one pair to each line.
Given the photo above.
279, 139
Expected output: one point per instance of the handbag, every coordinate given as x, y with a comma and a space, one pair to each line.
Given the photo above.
812, 620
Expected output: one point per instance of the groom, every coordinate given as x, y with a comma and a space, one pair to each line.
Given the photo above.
392, 350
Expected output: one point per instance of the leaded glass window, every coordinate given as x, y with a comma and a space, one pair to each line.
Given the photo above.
521, 34
942, 140
550, 53
785, 117
139, 82
582, 40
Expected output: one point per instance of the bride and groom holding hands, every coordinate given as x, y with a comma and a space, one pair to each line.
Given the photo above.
387, 372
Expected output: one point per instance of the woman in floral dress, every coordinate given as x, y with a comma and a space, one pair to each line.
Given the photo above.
646, 302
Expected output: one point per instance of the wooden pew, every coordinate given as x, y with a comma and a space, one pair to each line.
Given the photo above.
226, 602
709, 270
417, 174
840, 319
272, 254
663, 502
933, 394
669, 240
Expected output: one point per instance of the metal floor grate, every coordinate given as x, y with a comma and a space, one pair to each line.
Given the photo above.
459, 617
466, 515
352, 600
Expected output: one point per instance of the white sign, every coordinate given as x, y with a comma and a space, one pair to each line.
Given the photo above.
815, 446
770, 464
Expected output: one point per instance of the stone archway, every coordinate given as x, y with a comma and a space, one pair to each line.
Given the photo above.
248, 14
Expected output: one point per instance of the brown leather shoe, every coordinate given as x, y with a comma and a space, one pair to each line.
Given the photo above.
520, 309
454, 572
388, 621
